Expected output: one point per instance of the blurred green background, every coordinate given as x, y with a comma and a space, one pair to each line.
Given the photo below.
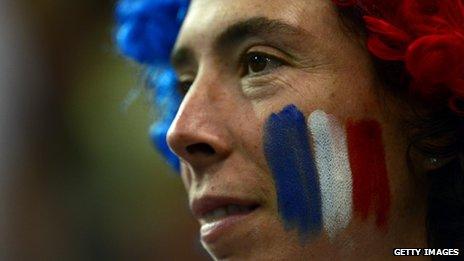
86, 183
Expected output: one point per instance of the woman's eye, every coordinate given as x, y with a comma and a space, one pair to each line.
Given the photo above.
183, 87
259, 63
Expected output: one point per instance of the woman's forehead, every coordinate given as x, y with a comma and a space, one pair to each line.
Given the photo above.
211, 15
207, 19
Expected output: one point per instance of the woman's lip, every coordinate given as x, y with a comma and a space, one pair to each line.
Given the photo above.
212, 231
202, 206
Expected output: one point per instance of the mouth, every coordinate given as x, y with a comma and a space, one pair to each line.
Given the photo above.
219, 215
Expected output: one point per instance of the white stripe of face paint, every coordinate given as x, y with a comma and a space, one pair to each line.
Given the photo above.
331, 156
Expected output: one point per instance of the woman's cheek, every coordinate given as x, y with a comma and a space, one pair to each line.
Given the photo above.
326, 172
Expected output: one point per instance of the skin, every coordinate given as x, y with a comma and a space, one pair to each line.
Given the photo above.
318, 66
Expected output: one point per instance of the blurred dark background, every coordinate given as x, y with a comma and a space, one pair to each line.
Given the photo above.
79, 179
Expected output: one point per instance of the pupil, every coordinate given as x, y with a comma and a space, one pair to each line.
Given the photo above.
257, 63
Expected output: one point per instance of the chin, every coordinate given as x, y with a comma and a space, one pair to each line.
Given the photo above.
237, 237
250, 254
261, 251
258, 236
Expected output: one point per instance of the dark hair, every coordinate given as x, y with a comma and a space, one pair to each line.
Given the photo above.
437, 134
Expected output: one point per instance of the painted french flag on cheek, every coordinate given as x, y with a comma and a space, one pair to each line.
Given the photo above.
333, 166
371, 190
290, 159
326, 173
352, 171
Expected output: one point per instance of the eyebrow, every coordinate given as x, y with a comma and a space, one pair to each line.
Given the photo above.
238, 32
256, 26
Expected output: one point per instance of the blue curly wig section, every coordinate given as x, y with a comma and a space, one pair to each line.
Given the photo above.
146, 31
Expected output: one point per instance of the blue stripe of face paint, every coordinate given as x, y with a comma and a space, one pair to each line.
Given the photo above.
288, 154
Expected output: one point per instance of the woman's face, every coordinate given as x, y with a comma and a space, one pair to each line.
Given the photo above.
244, 61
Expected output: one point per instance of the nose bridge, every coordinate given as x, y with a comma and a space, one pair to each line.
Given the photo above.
192, 112
198, 134
200, 111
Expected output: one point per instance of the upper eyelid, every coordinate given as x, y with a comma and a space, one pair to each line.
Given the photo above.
266, 54
269, 50
183, 77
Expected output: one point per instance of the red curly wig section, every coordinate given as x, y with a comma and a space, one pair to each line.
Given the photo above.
427, 36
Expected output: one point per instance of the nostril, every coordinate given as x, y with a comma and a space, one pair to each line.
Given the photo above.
202, 148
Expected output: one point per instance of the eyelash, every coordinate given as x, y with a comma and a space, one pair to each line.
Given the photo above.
183, 86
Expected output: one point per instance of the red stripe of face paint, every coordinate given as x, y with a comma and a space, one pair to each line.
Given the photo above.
371, 191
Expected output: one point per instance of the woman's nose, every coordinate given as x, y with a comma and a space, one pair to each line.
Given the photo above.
198, 135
